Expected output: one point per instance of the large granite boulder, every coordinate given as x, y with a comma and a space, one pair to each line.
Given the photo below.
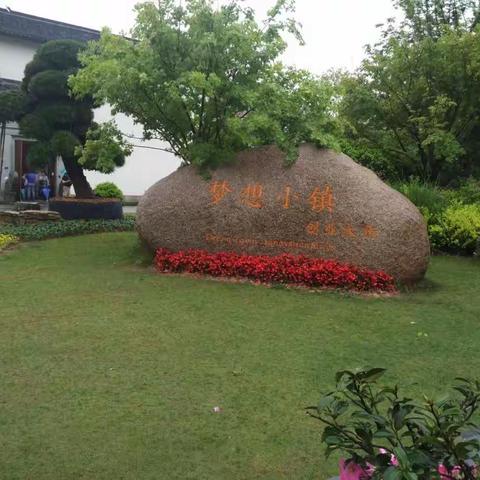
325, 205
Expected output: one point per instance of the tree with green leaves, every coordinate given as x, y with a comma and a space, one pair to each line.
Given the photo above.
207, 80
430, 18
415, 101
62, 125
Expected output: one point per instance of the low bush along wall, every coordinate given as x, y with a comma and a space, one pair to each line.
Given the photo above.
67, 228
286, 269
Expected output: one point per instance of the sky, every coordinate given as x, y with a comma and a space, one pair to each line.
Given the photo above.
335, 31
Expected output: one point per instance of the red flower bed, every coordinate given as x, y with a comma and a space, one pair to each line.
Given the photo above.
287, 269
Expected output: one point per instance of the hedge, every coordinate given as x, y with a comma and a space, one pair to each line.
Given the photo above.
67, 228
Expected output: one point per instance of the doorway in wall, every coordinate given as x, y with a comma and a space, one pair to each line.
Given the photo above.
23, 167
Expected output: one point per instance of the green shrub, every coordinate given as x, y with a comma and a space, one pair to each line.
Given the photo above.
108, 190
67, 228
385, 434
424, 195
457, 229
452, 216
468, 193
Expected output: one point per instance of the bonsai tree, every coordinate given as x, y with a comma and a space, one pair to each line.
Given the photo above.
207, 80
63, 125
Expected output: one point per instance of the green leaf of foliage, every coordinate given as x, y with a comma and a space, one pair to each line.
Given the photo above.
104, 148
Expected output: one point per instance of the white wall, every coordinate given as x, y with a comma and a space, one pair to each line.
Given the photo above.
9, 156
142, 169
14, 55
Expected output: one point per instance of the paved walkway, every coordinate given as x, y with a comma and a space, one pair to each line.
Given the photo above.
11, 206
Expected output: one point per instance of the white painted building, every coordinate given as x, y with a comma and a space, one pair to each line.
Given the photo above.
20, 36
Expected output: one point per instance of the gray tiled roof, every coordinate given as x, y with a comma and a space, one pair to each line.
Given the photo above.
7, 84
39, 29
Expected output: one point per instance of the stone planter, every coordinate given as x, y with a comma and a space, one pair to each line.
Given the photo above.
90, 208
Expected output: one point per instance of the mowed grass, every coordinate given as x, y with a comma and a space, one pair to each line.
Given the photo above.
111, 371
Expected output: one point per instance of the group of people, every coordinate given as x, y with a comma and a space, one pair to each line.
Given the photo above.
36, 186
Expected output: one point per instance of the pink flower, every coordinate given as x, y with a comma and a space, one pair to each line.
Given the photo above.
370, 470
442, 470
352, 471
393, 458
446, 475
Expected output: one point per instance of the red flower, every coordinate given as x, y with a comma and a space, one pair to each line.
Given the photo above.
285, 268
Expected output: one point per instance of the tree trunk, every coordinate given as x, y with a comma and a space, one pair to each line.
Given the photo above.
80, 182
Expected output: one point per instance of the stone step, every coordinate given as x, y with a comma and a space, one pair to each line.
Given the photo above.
28, 217
21, 206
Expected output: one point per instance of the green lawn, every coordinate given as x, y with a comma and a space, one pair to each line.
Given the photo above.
110, 371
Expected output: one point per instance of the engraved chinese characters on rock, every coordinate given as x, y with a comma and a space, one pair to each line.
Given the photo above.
252, 195
336, 229
218, 190
287, 197
320, 200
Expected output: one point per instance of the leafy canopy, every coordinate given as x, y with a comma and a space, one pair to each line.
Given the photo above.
416, 99
430, 18
206, 80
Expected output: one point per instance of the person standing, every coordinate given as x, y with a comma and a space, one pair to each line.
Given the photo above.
31, 186
43, 185
65, 185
